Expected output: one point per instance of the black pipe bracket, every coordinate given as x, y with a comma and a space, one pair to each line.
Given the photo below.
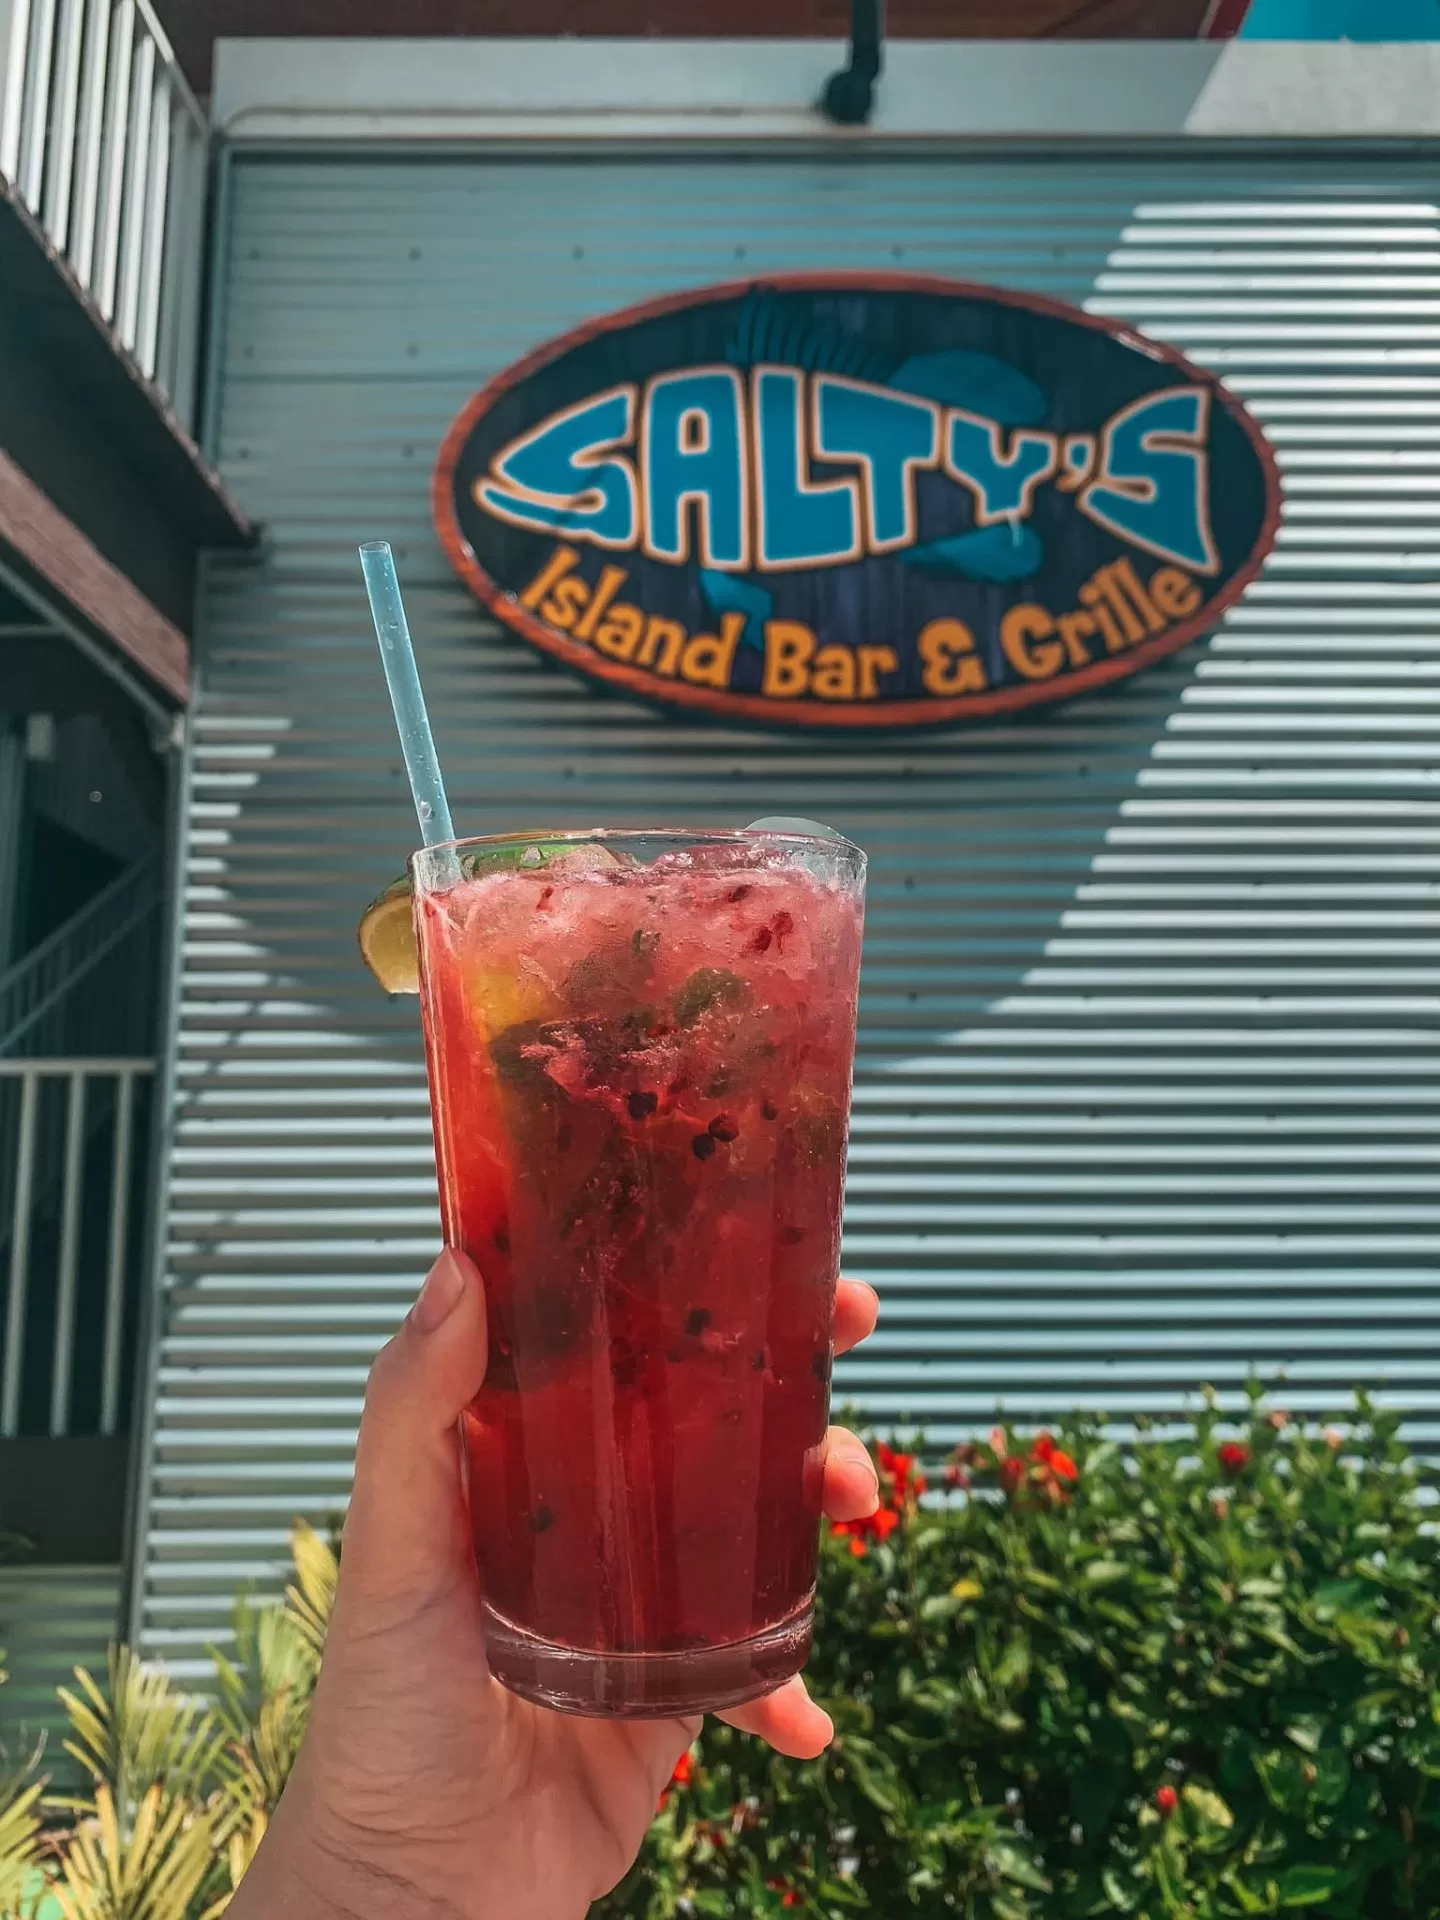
849, 96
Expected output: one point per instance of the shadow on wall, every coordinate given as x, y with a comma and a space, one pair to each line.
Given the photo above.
939, 813
1022, 1177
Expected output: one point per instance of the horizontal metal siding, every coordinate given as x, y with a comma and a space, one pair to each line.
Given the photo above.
1147, 1079
52, 1620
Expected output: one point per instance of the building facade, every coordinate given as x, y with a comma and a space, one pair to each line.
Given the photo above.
106, 507
1146, 1094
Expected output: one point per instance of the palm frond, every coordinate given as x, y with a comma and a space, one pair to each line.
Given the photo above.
20, 1826
264, 1697
156, 1871
264, 1693
140, 1734
239, 1850
183, 1792
273, 1659
19, 1838
310, 1599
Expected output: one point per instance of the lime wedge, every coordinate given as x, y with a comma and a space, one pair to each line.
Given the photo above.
387, 939
583, 858
387, 926
500, 1000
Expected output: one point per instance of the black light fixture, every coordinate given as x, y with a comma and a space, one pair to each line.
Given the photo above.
849, 95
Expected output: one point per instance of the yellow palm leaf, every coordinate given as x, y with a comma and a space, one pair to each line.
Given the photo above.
265, 1693
141, 1734
19, 1841
240, 1850
183, 1794
19, 1828
156, 1872
310, 1600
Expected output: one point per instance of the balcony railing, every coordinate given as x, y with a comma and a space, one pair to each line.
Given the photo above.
104, 143
72, 1169
45, 997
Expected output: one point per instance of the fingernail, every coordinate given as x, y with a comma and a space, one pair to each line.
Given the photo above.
442, 1292
860, 1456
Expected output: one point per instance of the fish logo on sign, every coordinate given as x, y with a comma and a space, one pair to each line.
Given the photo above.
851, 500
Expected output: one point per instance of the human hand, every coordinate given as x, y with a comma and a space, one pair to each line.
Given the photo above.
425, 1790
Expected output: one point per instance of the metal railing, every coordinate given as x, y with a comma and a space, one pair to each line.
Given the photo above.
103, 141
72, 1136
35, 992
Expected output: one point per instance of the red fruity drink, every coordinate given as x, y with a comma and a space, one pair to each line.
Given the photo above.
640, 1051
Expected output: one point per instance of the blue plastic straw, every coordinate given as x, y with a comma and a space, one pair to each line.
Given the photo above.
397, 654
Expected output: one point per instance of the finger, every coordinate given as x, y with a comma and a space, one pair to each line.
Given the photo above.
857, 1308
406, 1527
787, 1720
850, 1487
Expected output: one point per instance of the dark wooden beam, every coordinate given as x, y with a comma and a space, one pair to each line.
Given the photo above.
73, 570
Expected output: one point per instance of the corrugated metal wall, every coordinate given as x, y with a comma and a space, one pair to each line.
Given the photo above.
52, 1620
1147, 1085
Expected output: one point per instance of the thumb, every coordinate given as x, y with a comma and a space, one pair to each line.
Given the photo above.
406, 1534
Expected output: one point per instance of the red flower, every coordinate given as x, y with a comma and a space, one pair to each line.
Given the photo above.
875, 1526
792, 1898
956, 1478
1233, 1457
1046, 1470
1052, 1461
683, 1775
905, 1482
1167, 1800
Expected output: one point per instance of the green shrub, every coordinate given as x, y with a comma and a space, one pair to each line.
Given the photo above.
1193, 1677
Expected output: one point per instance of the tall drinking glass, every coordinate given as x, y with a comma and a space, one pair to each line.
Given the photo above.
640, 1050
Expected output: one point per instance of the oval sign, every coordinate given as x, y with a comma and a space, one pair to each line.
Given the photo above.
848, 500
